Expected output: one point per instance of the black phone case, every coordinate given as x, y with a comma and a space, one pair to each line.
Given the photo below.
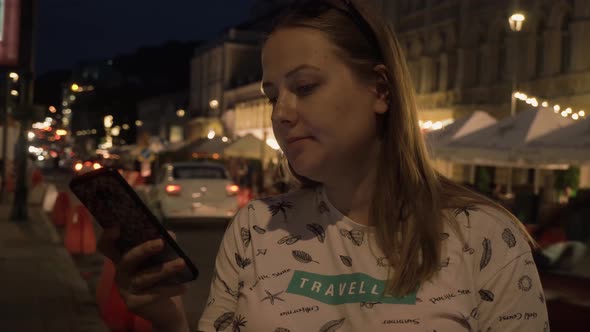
111, 200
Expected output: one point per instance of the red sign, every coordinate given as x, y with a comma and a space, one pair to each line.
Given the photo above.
9, 32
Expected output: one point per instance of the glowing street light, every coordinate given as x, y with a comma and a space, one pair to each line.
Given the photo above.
515, 21
14, 76
214, 104
211, 134
75, 87
14, 93
139, 123
52, 109
180, 113
108, 121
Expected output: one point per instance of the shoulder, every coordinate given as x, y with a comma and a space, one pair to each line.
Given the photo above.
483, 218
496, 237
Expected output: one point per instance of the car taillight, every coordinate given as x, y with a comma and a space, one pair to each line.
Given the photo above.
232, 189
173, 189
78, 167
96, 166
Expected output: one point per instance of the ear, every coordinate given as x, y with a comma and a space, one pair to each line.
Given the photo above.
380, 87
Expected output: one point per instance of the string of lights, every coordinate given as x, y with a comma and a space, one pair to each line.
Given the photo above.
558, 109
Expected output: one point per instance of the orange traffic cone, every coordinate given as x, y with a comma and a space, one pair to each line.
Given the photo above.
80, 237
112, 308
61, 209
10, 184
141, 325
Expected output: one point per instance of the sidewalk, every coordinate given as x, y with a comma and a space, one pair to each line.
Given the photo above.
40, 287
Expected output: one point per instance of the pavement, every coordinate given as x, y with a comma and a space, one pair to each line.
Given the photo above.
41, 286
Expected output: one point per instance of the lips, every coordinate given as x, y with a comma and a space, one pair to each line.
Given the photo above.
296, 138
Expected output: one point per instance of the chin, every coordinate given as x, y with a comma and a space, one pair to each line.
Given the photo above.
311, 169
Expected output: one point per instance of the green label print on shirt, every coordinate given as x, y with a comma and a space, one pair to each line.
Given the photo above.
344, 288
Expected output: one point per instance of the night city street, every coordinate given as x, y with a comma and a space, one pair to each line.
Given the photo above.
382, 165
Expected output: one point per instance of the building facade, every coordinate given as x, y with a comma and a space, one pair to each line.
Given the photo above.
164, 117
463, 55
231, 61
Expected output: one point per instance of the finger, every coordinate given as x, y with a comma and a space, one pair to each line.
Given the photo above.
134, 257
172, 235
152, 276
135, 301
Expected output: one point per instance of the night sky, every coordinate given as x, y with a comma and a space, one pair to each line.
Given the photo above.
74, 30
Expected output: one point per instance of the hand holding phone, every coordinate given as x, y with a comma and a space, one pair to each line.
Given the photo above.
151, 267
112, 202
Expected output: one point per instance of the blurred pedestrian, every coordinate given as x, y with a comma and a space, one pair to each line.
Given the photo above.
374, 239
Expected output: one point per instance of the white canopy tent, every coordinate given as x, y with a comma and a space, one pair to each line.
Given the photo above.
501, 144
567, 145
438, 139
250, 147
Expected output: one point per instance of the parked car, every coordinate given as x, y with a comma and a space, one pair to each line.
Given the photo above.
195, 189
88, 165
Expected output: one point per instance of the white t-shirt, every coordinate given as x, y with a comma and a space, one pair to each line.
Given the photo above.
294, 263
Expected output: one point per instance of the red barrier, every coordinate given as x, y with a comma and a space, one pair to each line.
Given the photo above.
61, 209
111, 306
80, 237
245, 195
36, 177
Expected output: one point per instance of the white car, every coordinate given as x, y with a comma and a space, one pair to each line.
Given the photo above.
196, 189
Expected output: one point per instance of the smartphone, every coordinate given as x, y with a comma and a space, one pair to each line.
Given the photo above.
112, 201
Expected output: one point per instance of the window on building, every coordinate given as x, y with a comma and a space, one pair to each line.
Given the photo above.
415, 73
436, 73
478, 65
540, 49
566, 44
502, 56
417, 4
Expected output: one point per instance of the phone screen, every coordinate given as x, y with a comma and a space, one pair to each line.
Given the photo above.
110, 199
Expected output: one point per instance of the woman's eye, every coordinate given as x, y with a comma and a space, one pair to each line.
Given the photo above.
304, 90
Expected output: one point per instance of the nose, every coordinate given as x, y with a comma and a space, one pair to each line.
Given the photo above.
284, 113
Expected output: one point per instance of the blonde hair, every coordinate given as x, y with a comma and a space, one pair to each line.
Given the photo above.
412, 197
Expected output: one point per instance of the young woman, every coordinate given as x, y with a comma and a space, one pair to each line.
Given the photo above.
375, 239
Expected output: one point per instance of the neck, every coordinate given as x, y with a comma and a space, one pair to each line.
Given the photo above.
351, 191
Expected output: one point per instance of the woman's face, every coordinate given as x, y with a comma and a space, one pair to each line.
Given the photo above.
323, 115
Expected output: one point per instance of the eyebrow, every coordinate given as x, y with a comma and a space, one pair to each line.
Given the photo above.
291, 73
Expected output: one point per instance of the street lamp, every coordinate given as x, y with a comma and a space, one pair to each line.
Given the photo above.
14, 76
214, 104
75, 87
516, 21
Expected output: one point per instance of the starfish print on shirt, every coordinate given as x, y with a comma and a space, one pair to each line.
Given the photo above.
272, 297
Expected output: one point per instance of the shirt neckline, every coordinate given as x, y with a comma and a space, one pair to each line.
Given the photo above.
337, 215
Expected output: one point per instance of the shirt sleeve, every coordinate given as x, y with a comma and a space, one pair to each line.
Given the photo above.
225, 284
513, 299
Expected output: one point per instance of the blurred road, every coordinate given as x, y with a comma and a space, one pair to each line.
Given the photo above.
198, 238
